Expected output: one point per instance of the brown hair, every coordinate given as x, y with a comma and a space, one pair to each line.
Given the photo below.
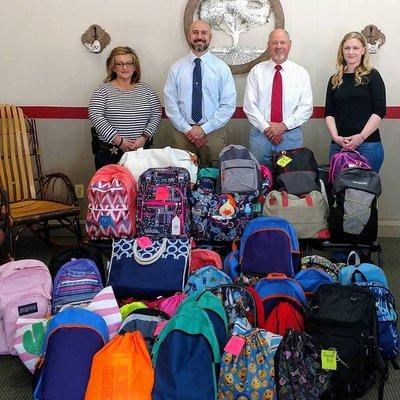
363, 69
110, 63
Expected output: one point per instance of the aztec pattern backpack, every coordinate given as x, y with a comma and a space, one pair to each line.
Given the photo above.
76, 282
354, 215
74, 336
268, 244
25, 290
284, 303
239, 170
111, 204
162, 203
346, 158
298, 368
296, 171
344, 318
250, 374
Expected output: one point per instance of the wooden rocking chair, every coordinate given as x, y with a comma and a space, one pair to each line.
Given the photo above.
35, 201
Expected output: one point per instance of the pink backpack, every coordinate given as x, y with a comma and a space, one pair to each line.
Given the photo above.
111, 204
25, 290
346, 159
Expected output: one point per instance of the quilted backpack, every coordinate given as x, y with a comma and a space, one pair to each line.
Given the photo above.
162, 203
250, 374
346, 158
76, 282
299, 373
111, 204
25, 290
206, 277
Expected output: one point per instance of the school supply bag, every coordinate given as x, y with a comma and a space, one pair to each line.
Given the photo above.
284, 303
121, 370
76, 282
296, 171
25, 291
239, 170
343, 318
346, 158
74, 336
111, 204
268, 244
298, 369
307, 213
149, 271
188, 339
204, 278
250, 374
162, 203
354, 214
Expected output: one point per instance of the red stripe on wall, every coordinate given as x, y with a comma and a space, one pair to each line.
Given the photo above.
55, 112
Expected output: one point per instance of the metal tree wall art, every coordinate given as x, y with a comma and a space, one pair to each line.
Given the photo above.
235, 17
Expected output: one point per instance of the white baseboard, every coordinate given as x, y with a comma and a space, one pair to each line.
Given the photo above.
389, 228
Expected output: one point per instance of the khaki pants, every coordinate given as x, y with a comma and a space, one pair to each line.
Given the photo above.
209, 152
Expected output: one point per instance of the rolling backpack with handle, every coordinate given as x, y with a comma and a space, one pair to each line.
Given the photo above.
25, 290
111, 204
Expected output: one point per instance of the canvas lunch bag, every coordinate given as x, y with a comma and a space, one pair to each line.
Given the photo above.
111, 204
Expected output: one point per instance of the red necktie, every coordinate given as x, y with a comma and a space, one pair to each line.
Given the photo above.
276, 96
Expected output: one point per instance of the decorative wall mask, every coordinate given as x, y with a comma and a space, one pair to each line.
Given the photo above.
375, 38
235, 18
95, 39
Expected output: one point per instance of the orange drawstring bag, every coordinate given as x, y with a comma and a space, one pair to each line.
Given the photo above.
121, 370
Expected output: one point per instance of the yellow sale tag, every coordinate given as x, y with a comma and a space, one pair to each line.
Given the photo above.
283, 161
328, 358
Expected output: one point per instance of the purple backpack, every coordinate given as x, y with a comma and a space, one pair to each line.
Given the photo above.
346, 159
162, 203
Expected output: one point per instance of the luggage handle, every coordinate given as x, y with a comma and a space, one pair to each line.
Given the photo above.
149, 260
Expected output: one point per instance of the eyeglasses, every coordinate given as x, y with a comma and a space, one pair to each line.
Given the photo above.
120, 64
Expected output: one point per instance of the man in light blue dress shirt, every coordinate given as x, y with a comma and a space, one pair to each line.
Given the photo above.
216, 101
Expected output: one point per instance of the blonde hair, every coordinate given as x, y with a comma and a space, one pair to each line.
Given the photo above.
361, 70
110, 63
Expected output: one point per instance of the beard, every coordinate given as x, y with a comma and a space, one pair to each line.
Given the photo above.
199, 45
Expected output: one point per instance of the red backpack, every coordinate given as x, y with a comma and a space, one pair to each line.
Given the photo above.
111, 204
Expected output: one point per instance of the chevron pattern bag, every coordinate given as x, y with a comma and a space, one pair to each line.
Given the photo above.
111, 204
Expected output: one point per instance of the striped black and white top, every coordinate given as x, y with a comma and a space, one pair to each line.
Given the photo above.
127, 112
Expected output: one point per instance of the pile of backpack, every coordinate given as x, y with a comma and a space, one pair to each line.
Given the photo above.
170, 319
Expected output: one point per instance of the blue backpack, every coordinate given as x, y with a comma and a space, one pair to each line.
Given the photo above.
204, 278
76, 282
310, 279
74, 336
185, 357
268, 245
364, 272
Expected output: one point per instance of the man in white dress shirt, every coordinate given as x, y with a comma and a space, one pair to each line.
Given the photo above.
277, 101
200, 97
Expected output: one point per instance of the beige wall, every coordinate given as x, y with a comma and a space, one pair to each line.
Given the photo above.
42, 62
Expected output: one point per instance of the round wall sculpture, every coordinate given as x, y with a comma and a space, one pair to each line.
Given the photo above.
235, 17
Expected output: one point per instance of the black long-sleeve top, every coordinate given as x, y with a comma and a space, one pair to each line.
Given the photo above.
352, 105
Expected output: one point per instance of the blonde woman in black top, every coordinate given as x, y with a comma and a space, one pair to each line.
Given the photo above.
356, 102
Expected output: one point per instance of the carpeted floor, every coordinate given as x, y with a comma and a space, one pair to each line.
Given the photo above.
16, 381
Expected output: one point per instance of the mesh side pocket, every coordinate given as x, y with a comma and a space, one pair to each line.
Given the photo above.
357, 210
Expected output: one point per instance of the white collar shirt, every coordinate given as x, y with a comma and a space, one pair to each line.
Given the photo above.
297, 101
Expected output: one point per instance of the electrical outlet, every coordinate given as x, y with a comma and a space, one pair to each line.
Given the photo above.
79, 191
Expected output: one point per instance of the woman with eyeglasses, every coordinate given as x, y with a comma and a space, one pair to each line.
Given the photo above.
124, 111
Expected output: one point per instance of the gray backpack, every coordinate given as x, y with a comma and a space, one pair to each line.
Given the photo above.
239, 170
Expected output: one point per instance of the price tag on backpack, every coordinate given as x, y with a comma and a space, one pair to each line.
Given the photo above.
235, 345
328, 358
176, 226
283, 161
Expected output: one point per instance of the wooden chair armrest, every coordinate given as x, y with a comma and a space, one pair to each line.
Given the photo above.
58, 187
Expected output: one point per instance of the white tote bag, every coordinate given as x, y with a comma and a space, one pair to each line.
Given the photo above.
140, 160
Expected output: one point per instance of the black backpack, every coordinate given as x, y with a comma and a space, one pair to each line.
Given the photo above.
344, 318
62, 256
300, 175
354, 215
298, 368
